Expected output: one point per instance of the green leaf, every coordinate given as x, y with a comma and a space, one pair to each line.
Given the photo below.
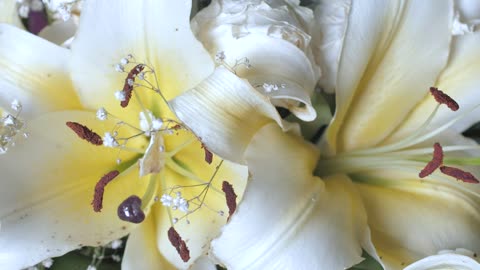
368, 264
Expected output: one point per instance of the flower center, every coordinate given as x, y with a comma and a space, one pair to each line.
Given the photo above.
167, 137
407, 154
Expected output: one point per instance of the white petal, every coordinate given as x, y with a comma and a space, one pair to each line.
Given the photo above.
59, 32
288, 218
155, 32
392, 54
459, 80
273, 37
445, 261
469, 9
411, 219
225, 112
48, 184
331, 18
9, 14
141, 250
203, 263
33, 71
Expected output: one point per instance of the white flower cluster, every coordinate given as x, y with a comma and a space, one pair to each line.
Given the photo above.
109, 140
156, 125
178, 202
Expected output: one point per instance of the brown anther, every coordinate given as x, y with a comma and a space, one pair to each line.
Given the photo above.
436, 161
97, 201
231, 198
459, 174
208, 155
85, 133
443, 98
179, 244
128, 87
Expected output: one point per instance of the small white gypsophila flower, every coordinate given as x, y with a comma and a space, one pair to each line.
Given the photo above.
109, 140
119, 68
120, 95
166, 200
130, 82
183, 206
269, 87
36, 5
124, 61
116, 244
116, 258
16, 105
47, 263
65, 11
91, 267
24, 10
9, 120
157, 124
220, 56
102, 114
141, 76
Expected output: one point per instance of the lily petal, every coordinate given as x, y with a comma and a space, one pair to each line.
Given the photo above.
410, 219
268, 34
37, 78
49, 184
445, 261
331, 20
225, 112
460, 81
156, 33
59, 31
202, 224
322, 223
141, 250
394, 62
9, 14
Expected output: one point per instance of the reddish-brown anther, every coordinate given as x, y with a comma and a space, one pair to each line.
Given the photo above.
128, 84
231, 198
459, 174
97, 201
179, 244
208, 155
85, 133
436, 161
443, 98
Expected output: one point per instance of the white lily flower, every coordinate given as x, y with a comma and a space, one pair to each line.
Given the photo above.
51, 177
386, 124
287, 213
266, 42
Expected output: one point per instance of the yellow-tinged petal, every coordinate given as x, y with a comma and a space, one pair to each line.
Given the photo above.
225, 112
9, 14
410, 219
33, 71
445, 262
323, 224
391, 55
141, 250
460, 80
155, 32
189, 168
49, 182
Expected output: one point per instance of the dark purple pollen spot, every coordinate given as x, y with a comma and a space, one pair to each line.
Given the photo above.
130, 210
